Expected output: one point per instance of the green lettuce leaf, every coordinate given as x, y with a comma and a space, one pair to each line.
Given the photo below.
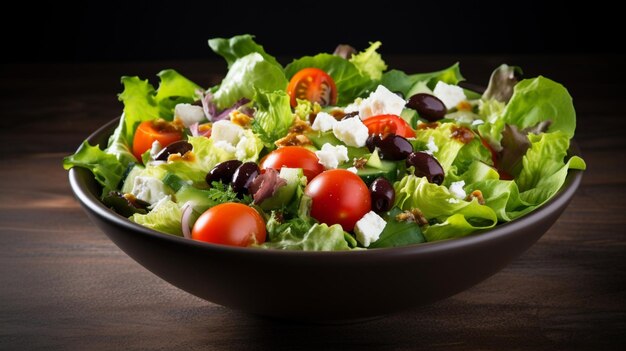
247, 74
474, 151
174, 89
452, 217
273, 117
369, 62
503, 197
544, 167
350, 82
164, 217
299, 234
448, 147
234, 48
398, 81
106, 168
398, 233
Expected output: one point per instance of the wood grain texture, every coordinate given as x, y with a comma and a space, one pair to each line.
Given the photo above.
64, 285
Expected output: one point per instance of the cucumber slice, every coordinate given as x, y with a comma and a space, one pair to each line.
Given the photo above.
132, 172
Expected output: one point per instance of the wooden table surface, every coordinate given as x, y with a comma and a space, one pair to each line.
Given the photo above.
64, 285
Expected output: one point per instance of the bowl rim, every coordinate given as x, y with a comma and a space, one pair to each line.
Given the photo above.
92, 203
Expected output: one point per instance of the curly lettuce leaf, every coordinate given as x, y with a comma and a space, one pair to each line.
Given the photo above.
273, 117
398, 81
234, 48
299, 234
448, 147
369, 62
247, 74
503, 197
165, 217
350, 82
174, 89
106, 168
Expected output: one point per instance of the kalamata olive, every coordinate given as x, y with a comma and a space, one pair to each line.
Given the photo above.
350, 115
243, 177
394, 147
383, 195
177, 147
426, 166
223, 172
428, 106
372, 141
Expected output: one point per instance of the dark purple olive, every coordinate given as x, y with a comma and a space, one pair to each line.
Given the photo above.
223, 172
177, 147
372, 141
382, 194
394, 147
426, 166
350, 115
243, 177
428, 106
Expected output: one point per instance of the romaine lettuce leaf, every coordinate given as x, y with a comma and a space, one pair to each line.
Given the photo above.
350, 82
247, 74
237, 47
369, 62
164, 217
273, 117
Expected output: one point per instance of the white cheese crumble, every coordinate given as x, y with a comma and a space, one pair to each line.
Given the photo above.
330, 156
189, 114
477, 122
154, 150
148, 189
351, 131
450, 95
368, 228
353, 170
381, 101
431, 146
323, 122
226, 131
456, 189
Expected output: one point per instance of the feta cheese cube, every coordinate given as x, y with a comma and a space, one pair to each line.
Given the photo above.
353, 170
226, 146
449, 94
368, 228
189, 114
323, 122
226, 131
331, 156
148, 189
351, 131
431, 146
381, 101
456, 189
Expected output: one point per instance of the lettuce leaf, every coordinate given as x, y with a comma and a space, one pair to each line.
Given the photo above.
452, 217
273, 117
448, 147
106, 168
299, 234
234, 48
164, 217
350, 82
398, 81
544, 167
247, 74
503, 197
174, 89
369, 62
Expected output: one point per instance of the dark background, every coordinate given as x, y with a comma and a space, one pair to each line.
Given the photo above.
149, 30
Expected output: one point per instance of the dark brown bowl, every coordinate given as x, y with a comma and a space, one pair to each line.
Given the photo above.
319, 286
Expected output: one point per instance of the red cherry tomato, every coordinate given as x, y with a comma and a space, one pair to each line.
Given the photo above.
149, 131
389, 124
231, 224
314, 85
293, 157
339, 197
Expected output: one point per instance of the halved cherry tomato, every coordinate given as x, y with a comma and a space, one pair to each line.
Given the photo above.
293, 157
149, 131
389, 124
314, 85
338, 197
231, 224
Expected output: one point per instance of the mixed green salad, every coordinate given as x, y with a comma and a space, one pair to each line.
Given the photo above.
331, 152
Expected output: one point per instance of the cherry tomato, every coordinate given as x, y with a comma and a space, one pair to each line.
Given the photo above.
339, 197
231, 224
149, 131
389, 124
314, 85
293, 157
